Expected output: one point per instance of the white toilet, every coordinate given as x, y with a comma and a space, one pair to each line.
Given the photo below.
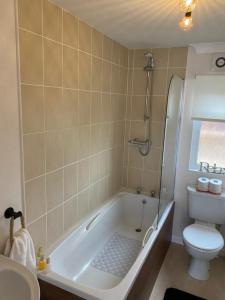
202, 240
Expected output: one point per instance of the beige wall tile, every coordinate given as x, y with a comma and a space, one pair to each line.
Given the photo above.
83, 204
54, 189
161, 57
52, 21
158, 108
94, 199
75, 123
54, 108
83, 174
138, 103
115, 84
123, 56
153, 160
95, 168
70, 181
106, 76
137, 129
35, 199
70, 213
32, 108
107, 48
70, 145
84, 141
38, 233
31, 58
106, 110
178, 57
68, 67
157, 134
131, 58
105, 136
96, 108
84, 37
97, 43
151, 181
139, 57
135, 159
167, 62
76, 70
97, 139
84, 109
103, 190
70, 111
96, 74
76, 20
134, 178
52, 63
159, 86
69, 27
34, 155
139, 82
84, 71
54, 150
123, 80
54, 225
130, 82
30, 15
116, 53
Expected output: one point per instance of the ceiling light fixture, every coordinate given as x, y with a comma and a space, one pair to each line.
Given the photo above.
187, 5
186, 23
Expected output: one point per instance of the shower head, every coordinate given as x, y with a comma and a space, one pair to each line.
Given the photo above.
150, 62
148, 54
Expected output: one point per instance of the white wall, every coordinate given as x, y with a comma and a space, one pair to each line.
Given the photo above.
197, 64
10, 169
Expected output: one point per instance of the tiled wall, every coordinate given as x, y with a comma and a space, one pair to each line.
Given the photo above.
145, 171
73, 99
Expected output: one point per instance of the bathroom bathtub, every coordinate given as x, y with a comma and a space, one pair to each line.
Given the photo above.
88, 263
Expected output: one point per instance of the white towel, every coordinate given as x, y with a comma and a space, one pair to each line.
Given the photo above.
22, 250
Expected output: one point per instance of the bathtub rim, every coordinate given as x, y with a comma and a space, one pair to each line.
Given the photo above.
122, 289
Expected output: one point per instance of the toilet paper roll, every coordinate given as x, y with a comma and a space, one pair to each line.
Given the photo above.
215, 186
203, 184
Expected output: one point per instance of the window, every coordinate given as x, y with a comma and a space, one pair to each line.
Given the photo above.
208, 144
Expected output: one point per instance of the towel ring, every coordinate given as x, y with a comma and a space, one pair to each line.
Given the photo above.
12, 215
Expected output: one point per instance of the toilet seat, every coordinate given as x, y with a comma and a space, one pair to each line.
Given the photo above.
203, 237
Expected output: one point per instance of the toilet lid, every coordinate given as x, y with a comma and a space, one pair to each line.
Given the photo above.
203, 237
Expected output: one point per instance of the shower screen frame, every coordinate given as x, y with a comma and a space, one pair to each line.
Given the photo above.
172, 123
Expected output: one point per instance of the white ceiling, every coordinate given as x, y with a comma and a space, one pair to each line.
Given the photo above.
150, 23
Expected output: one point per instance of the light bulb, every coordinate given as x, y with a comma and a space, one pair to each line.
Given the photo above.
186, 23
187, 5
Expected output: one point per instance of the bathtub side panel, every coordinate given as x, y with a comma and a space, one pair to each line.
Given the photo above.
145, 281
52, 292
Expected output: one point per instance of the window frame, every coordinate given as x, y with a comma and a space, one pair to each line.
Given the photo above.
196, 129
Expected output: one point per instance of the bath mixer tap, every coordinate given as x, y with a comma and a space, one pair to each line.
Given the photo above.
152, 193
139, 190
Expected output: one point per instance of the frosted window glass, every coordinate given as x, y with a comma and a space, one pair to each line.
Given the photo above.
209, 98
211, 146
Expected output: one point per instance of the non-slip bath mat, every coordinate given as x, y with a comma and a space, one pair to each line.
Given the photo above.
174, 294
117, 256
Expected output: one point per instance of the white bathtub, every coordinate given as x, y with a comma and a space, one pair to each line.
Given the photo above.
102, 258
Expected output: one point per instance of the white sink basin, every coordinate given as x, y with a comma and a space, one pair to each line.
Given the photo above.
17, 282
